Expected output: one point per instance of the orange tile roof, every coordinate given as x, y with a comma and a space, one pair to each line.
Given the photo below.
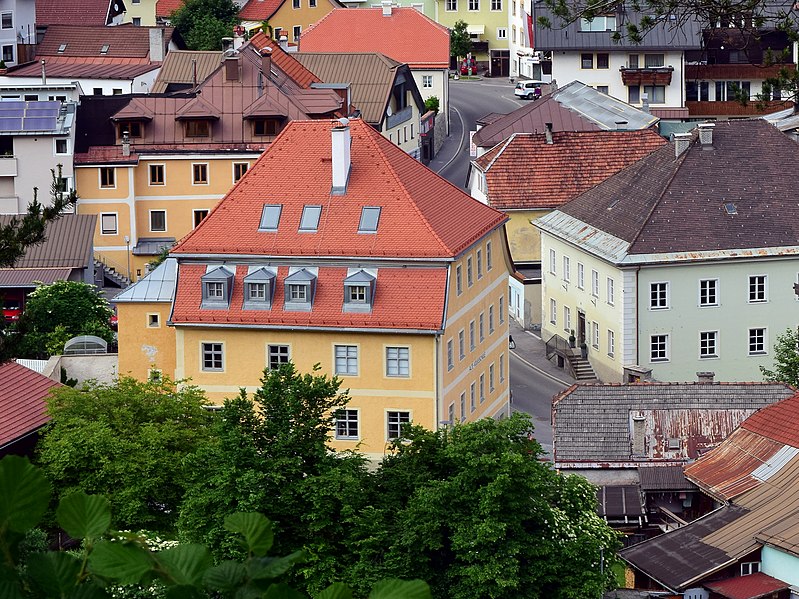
285, 61
753, 586
423, 215
259, 10
526, 172
123, 41
777, 422
76, 12
22, 395
406, 298
165, 8
407, 36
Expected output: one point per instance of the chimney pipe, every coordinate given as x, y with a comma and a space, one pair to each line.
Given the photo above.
682, 141
386, 4
44, 74
549, 133
342, 140
125, 144
156, 44
705, 377
645, 103
266, 61
284, 42
706, 135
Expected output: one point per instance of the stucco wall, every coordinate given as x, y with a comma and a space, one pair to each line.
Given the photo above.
780, 565
102, 368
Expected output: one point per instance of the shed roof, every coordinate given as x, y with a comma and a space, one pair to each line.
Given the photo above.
22, 395
754, 586
157, 286
663, 478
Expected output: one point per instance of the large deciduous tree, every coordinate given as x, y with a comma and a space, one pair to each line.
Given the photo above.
203, 23
460, 44
786, 359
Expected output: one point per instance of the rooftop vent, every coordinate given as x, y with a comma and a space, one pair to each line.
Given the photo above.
730, 208
682, 142
706, 135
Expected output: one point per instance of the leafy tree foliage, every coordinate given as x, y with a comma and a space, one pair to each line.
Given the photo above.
57, 312
786, 359
128, 441
460, 44
203, 23
108, 560
432, 103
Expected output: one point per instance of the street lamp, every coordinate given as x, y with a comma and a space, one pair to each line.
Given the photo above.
127, 253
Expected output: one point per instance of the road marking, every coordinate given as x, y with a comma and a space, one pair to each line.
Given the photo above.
460, 144
539, 371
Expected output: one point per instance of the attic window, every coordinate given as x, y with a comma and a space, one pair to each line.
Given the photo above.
266, 126
310, 218
259, 287
359, 290
370, 216
217, 285
299, 290
270, 217
133, 129
730, 208
104, 49
62, 48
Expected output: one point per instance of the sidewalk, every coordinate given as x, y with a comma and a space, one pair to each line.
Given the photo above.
532, 350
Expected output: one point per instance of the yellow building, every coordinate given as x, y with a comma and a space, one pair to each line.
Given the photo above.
285, 17
361, 260
151, 167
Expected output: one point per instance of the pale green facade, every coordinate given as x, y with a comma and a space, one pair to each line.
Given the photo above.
488, 22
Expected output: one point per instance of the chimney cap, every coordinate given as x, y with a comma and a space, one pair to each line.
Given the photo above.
706, 125
705, 376
266, 50
343, 122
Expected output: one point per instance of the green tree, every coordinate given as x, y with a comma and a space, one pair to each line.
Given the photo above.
57, 312
460, 44
786, 359
203, 23
432, 103
128, 441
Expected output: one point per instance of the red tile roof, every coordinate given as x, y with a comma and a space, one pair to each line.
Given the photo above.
407, 36
753, 586
285, 61
95, 68
259, 10
407, 298
777, 422
22, 394
165, 8
123, 41
527, 172
423, 215
80, 12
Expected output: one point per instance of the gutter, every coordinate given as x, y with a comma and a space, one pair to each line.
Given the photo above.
301, 328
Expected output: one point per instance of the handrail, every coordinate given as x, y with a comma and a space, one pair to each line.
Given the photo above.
558, 346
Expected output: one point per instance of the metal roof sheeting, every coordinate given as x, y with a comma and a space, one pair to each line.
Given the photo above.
606, 111
158, 286
31, 277
186, 67
69, 243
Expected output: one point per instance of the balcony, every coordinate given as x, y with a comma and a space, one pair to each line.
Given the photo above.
734, 108
647, 76
733, 72
8, 166
399, 117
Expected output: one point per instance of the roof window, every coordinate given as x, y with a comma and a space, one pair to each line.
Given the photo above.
310, 218
270, 217
730, 208
359, 289
259, 289
299, 288
62, 48
104, 49
217, 287
370, 217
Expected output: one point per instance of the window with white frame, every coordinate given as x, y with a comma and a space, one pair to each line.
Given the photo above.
611, 289
451, 414
748, 568
659, 295
461, 344
758, 292
580, 276
496, 5
107, 177
398, 361
599, 23
199, 173
451, 5
472, 397
709, 292
154, 320
394, 422
552, 262
502, 33
501, 310
108, 223
566, 268
553, 311
513, 34
212, 357
502, 368
427, 81
469, 276
61, 146
490, 319
474, 5
611, 343
471, 336
594, 283
450, 355
458, 280
757, 341
659, 348
214, 290
198, 215
595, 335
277, 355
463, 406
157, 174
297, 31
239, 168
346, 360
567, 319
157, 221
7, 20
346, 424
479, 259
708, 344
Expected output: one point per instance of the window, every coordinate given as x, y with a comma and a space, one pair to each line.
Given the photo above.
553, 311
496, 5
479, 264
599, 23
595, 335
451, 5
7, 20
481, 327
451, 414
501, 368
8, 53
107, 177
132, 128
197, 128
108, 224
469, 278
603, 89
295, 3
427, 81
395, 420
458, 280
594, 283
567, 319
199, 174
370, 217
297, 30
653, 61
270, 217
658, 296
513, 7
214, 291
461, 344
346, 360
239, 168
463, 406
659, 348
611, 343
256, 292
310, 218
501, 310
450, 355
266, 126
513, 34
491, 377
552, 262
708, 292
157, 174
398, 361
474, 5
298, 293
502, 33
153, 320
757, 288
277, 355
655, 93
611, 291
472, 397
489, 263
757, 341
482, 387
708, 341
136, 20
697, 91
346, 424
96, 91
199, 215
312, 3
490, 319
580, 276
586, 61
632, 61
471, 336
566, 268
634, 94
356, 294
603, 61
62, 146
157, 221
212, 357
748, 568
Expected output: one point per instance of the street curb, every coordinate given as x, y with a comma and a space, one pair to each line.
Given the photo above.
538, 370
460, 144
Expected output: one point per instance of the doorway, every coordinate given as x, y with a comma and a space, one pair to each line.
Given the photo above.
580, 328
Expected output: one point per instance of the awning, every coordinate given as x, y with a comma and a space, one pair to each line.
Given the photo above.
30, 277
475, 29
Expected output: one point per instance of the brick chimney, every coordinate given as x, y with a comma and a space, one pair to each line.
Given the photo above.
706, 135
705, 377
156, 44
342, 140
682, 141
266, 61
386, 4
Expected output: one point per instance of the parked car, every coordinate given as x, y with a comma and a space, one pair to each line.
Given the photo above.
528, 89
12, 310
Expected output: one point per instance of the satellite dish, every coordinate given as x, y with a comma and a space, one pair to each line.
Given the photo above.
389, 111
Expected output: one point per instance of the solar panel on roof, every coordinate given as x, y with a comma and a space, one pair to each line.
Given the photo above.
38, 124
11, 113
13, 105
31, 112
10, 124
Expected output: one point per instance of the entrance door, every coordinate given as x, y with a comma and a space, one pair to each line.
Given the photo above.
580, 328
500, 63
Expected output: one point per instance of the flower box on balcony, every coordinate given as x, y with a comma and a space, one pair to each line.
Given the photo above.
647, 76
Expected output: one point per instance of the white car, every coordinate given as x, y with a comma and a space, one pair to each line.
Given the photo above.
528, 89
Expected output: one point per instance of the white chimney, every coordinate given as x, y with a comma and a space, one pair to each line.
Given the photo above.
386, 4
284, 42
125, 144
156, 44
682, 141
342, 140
706, 134
44, 74
645, 103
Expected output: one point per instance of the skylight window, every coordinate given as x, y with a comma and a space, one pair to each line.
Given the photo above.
104, 49
730, 208
310, 218
62, 48
370, 216
270, 217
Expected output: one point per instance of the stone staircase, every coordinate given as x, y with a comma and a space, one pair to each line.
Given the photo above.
582, 369
110, 274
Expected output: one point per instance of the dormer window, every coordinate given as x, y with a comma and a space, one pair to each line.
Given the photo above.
299, 290
132, 128
259, 288
197, 128
359, 291
270, 217
217, 285
370, 217
266, 126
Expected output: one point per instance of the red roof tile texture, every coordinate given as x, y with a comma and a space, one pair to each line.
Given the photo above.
406, 298
259, 10
285, 61
80, 12
165, 8
777, 422
527, 172
22, 395
407, 36
422, 215
753, 586
123, 41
